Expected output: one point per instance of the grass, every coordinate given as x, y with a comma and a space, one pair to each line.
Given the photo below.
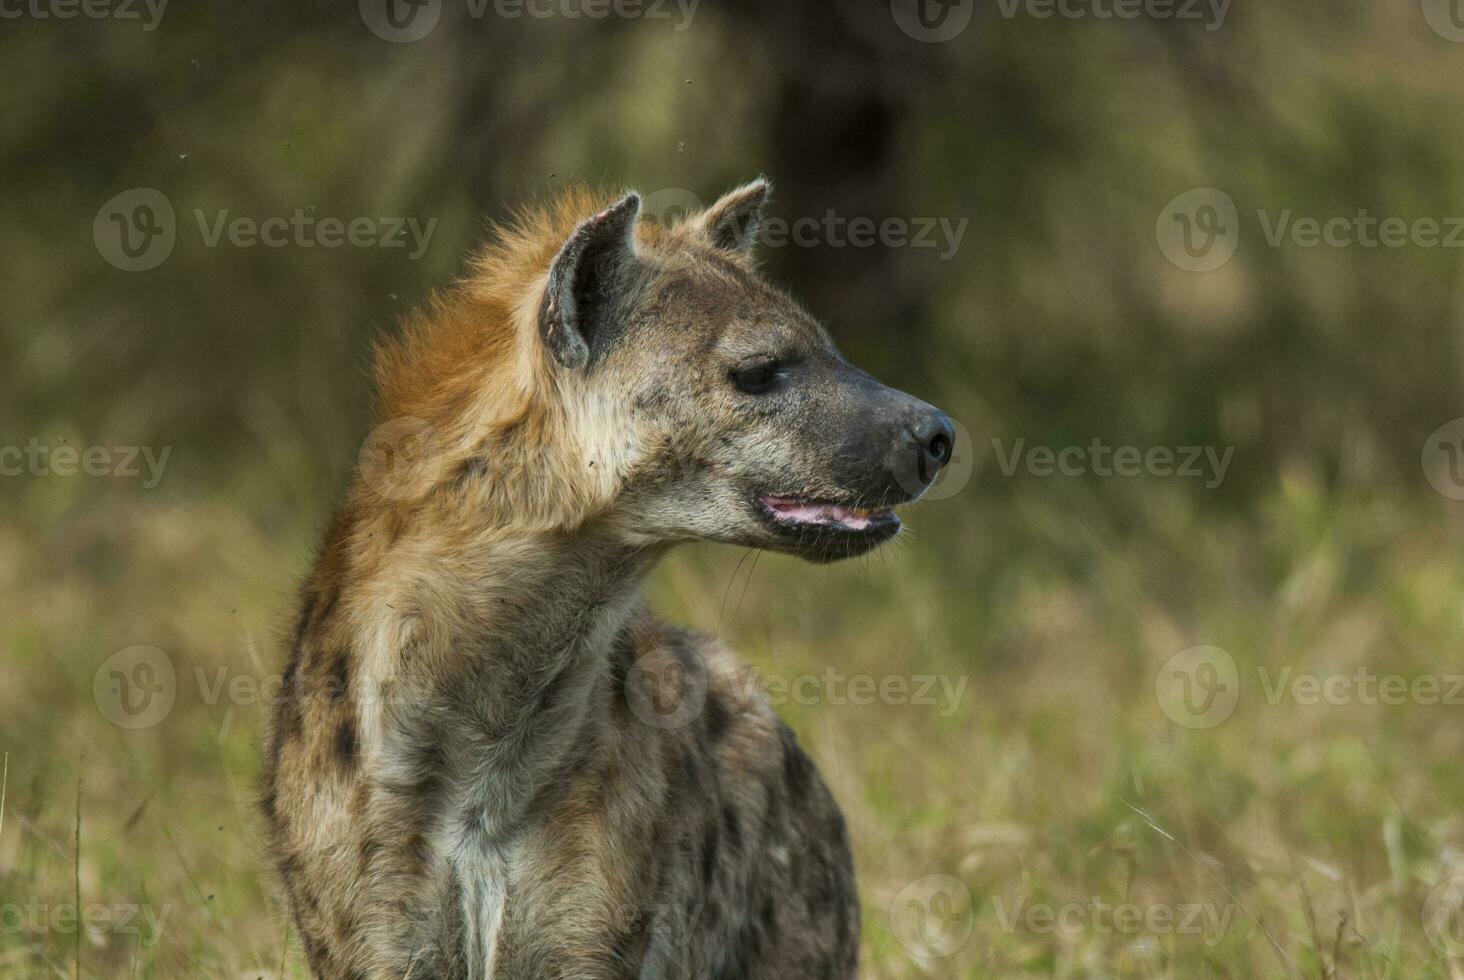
1046, 819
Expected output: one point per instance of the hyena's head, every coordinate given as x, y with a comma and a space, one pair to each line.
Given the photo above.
717, 406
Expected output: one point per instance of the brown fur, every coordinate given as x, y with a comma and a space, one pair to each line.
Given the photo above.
462, 779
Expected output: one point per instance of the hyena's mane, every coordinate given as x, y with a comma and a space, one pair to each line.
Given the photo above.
470, 369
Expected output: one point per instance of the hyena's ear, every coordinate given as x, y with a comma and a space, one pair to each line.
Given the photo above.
590, 269
733, 222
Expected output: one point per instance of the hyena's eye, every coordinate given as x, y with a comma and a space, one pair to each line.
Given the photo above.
757, 379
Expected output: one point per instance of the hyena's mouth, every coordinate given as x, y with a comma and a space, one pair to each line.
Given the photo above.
794, 513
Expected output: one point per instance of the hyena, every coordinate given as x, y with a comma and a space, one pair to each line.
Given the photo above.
473, 770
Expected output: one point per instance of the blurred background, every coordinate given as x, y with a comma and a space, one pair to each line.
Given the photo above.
1149, 685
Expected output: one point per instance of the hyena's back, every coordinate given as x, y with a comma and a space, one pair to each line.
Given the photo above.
685, 834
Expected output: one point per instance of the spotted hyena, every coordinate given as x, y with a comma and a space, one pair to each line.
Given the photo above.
489, 761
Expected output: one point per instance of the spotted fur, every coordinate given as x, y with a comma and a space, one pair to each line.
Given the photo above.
470, 772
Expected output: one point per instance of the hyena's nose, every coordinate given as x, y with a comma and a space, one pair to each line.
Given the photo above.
935, 438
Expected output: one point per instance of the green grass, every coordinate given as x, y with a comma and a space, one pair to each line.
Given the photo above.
1299, 840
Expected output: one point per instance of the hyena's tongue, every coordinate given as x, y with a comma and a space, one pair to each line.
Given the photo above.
800, 512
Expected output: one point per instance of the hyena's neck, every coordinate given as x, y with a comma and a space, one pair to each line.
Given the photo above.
482, 666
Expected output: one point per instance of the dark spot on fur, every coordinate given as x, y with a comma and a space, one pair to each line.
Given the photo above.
798, 772
303, 622
427, 766
315, 950
772, 828
717, 715
417, 851
820, 896
690, 770
732, 827
345, 743
709, 854
328, 607
837, 832
370, 847
287, 721
471, 470
338, 681
841, 923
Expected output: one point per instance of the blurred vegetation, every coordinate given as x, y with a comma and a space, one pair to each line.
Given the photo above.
1058, 320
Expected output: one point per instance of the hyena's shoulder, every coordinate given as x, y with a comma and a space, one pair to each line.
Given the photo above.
763, 854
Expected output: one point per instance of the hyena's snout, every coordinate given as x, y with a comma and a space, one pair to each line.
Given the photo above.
932, 440
896, 444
